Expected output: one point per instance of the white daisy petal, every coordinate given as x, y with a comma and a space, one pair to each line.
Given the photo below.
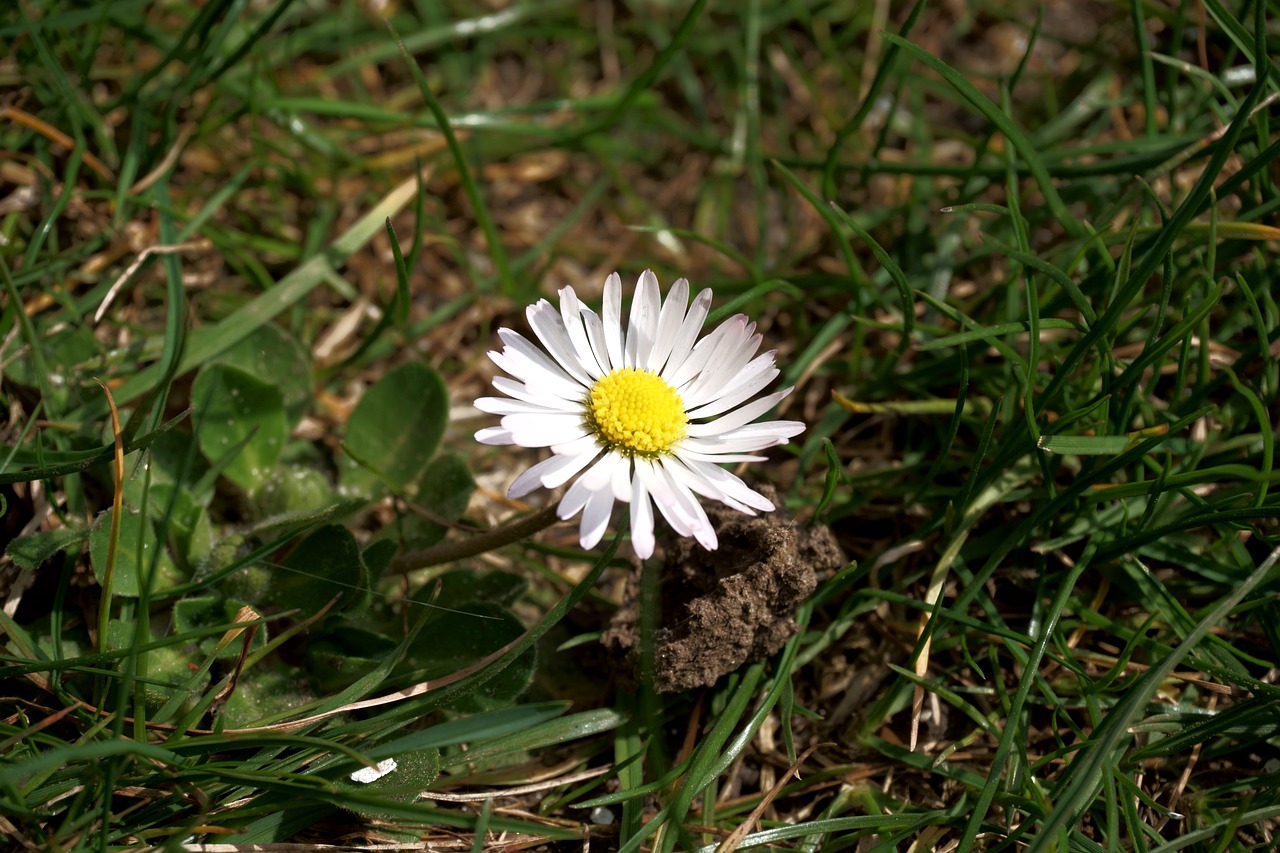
726, 337
688, 332
575, 498
652, 436
550, 473
670, 319
664, 495
727, 362
595, 518
621, 481
642, 540
728, 484
642, 331
701, 529
578, 445
571, 315
751, 379
738, 417
718, 458
514, 342
494, 435
612, 319
547, 377
612, 474
700, 485
780, 429
507, 406
770, 434
521, 391
600, 476
548, 325
596, 338
544, 430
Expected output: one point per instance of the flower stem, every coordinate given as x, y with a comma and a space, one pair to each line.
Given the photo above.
458, 549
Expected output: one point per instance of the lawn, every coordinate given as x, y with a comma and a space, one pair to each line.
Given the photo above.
264, 589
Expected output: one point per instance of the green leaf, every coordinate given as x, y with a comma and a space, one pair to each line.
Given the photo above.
1098, 445
295, 520
138, 544
551, 733
394, 430
461, 636
274, 356
211, 611
326, 564
443, 491
234, 407
30, 551
171, 672
293, 488
460, 586
413, 774
273, 690
377, 557
345, 654
485, 726
171, 459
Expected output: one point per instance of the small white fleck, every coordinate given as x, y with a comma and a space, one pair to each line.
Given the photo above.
601, 816
365, 775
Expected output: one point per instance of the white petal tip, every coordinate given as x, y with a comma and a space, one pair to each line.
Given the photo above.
495, 435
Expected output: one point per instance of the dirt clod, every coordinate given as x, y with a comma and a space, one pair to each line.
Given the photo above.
725, 608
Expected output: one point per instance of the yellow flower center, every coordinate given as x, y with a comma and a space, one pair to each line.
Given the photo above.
636, 412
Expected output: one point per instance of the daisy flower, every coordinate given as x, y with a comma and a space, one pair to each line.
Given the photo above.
643, 415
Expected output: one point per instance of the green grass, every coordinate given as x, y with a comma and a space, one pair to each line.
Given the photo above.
1019, 267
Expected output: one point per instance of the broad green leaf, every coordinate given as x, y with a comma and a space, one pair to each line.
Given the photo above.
272, 690
174, 482
477, 728
394, 430
462, 585
170, 459
234, 407
293, 488
414, 772
296, 520
550, 733
378, 556
326, 564
210, 611
134, 554
461, 636
344, 654
275, 357
31, 550
443, 491
171, 672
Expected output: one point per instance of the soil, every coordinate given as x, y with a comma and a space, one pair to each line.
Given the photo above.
725, 608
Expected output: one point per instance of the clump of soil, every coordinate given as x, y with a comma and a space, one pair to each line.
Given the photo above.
725, 608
